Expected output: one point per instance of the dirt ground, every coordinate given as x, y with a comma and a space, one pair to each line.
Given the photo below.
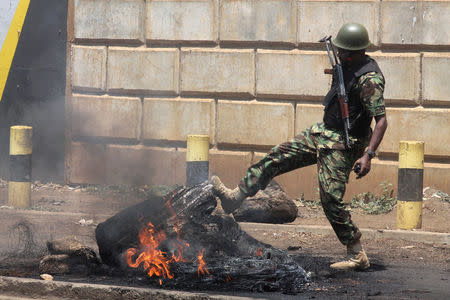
108, 200
399, 269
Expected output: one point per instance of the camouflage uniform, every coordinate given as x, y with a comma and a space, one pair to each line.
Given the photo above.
324, 147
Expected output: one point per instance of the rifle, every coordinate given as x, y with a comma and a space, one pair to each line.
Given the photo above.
342, 95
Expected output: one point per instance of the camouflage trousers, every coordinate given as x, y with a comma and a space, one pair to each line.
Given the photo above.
315, 145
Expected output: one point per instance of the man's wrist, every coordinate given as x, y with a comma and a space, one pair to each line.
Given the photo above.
370, 153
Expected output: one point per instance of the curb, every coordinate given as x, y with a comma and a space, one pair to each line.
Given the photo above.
47, 225
412, 236
34, 288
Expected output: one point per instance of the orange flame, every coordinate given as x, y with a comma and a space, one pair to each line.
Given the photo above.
157, 262
259, 252
153, 260
202, 269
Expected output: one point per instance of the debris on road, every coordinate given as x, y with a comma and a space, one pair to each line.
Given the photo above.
47, 277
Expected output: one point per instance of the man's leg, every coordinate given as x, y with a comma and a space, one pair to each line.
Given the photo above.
297, 153
331, 194
333, 173
283, 158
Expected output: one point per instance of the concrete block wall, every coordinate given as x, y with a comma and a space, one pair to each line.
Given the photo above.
143, 74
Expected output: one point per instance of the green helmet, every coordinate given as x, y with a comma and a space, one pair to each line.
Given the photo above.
352, 36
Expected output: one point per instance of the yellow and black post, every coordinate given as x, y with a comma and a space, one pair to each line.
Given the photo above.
20, 149
197, 159
410, 185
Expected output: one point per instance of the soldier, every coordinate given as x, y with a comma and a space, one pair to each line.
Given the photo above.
323, 144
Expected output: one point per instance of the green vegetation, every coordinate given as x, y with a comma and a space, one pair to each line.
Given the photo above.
309, 203
368, 202
315, 203
373, 204
443, 196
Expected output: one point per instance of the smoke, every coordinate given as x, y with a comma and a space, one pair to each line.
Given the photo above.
35, 90
48, 137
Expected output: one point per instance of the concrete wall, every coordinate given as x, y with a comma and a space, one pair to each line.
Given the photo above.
144, 74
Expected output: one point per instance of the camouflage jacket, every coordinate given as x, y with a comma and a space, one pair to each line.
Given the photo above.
370, 88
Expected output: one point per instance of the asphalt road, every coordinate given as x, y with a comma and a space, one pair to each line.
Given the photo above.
399, 269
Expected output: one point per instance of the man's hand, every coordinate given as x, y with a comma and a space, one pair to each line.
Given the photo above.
375, 140
364, 166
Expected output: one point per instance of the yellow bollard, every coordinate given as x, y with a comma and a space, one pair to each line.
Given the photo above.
197, 159
20, 149
410, 185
